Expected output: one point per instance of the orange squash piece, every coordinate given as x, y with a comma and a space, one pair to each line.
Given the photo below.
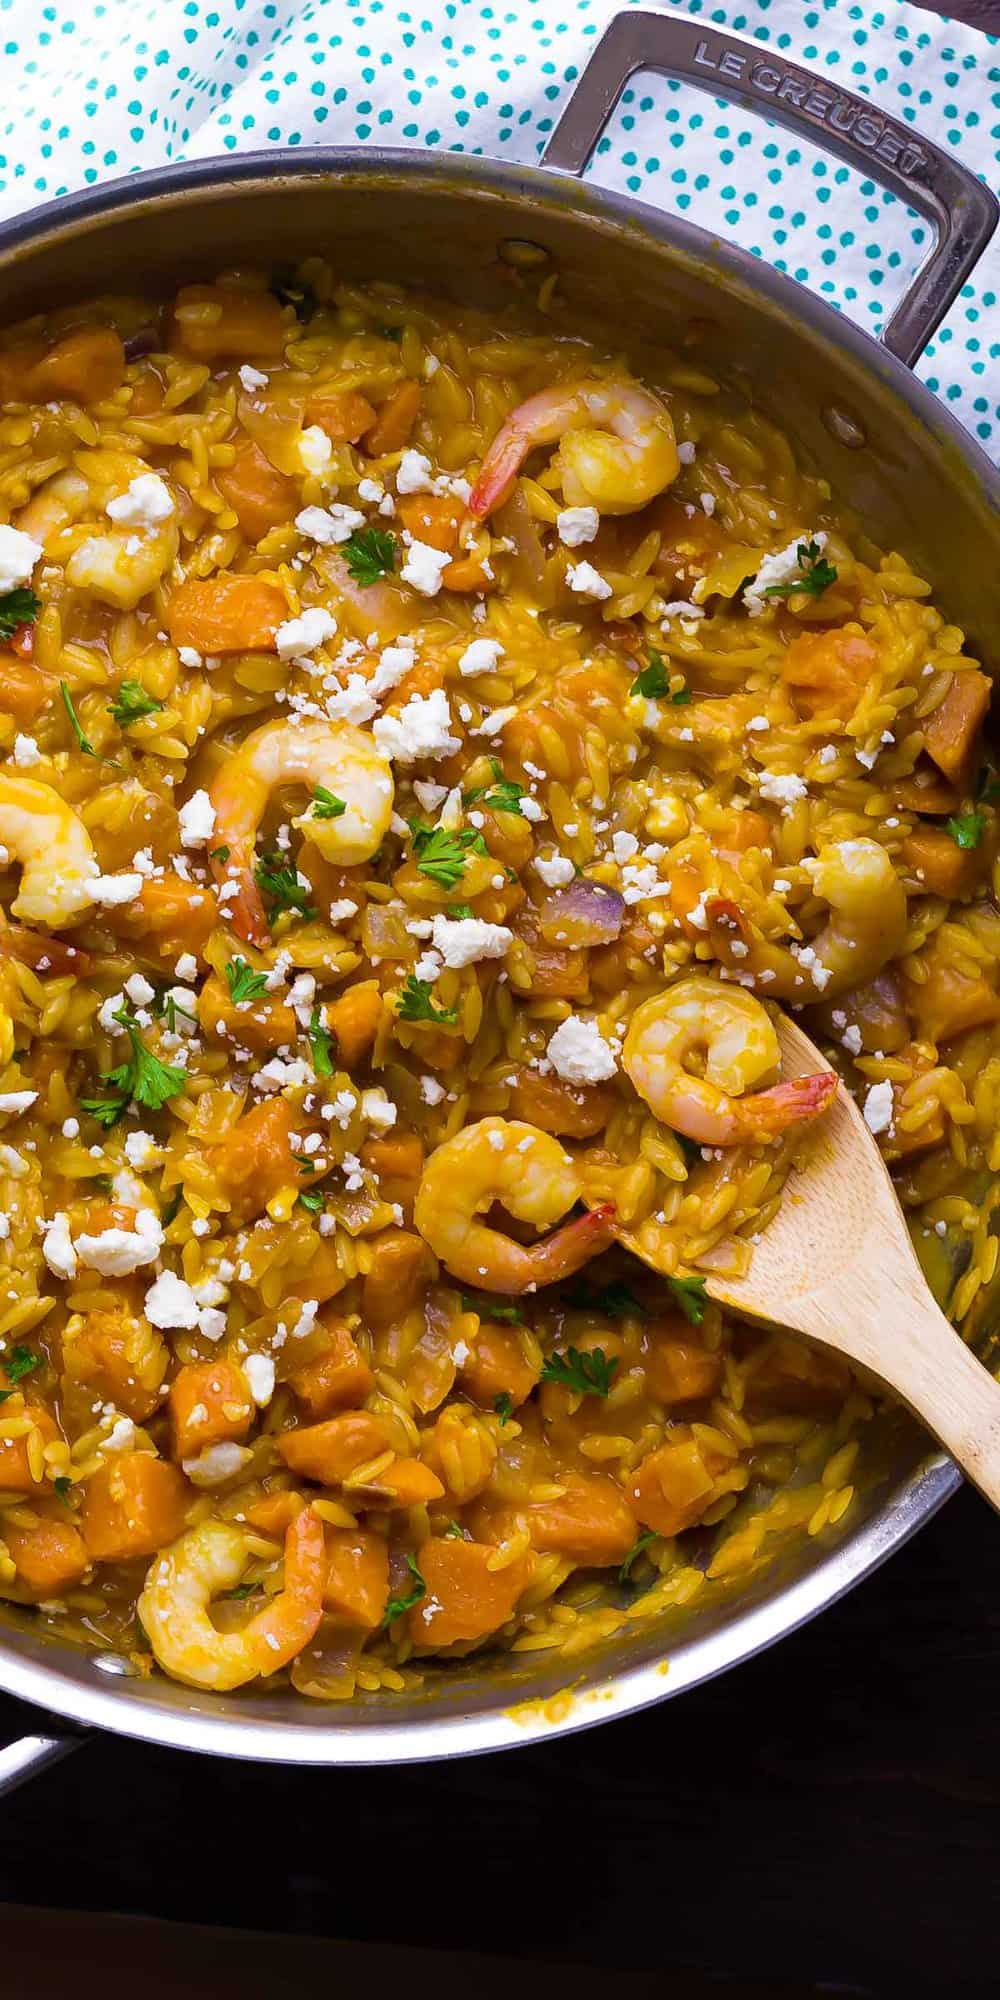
497, 1366
210, 1402
941, 867
226, 614
948, 1002
401, 1266
255, 1158
266, 1023
49, 1557
434, 518
394, 421
219, 322
337, 1379
24, 689
951, 733
678, 1369
398, 1163
331, 1451
171, 915
357, 1577
573, 1110
261, 497
102, 1358
355, 1020
133, 1505
827, 671
15, 1471
672, 1488
407, 1483
344, 415
592, 1522
465, 1600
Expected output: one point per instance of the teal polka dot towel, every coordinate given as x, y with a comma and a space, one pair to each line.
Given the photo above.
98, 88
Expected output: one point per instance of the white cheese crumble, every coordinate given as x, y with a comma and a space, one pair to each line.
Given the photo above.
117, 1252
303, 634
421, 729
579, 1053
379, 1110
16, 1101
413, 474
851, 1039
329, 526
252, 378
877, 1109
465, 940
424, 568
782, 567
480, 657
781, 789
576, 525
146, 502
218, 1463
26, 751
315, 449
170, 1302
685, 453
431, 1090
18, 555
588, 581
259, 1371
187, 966
556, 870
57, 1247
197, 820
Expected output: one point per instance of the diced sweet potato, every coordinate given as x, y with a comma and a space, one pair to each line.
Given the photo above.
263, 1023
394, 422
337, 1379
555, 973
331, 1451
86, 366
398, 1162
787, 1374
689, 540
925, 791
172, 915
15, 1467
592, 1522
210, 1402
827, 671
574, 1110
255, 1159
948, 1002
678, 1368
951, 733
434, 518
357, 1577
742, 830
116, 1357
674, 1486
401, 1266
133, 1505
216, 322
24, 689
407, 1483
941, 867
465, 1600
344, 415
274, 1513
261, 497
49, 1557
226, 614
498, 1366
355, 1019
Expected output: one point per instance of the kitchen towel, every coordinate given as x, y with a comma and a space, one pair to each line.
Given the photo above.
99, 88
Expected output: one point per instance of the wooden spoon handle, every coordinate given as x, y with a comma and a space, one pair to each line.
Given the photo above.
941, 1381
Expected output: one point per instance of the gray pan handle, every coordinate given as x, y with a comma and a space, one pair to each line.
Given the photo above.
962, 210
29, 1756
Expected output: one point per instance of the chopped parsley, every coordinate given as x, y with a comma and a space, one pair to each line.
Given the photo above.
501, 794
653, 680
488, 1310
441, 855
143, 1079
369, 554
416, 1003
397, 1605
587, 1372
22, 1362
635, 1551
294, 292
243, 982
275, 879
503, 1407
63, 1488
455, 1532
967, 829
131, 703
614, 1299
17, 608
170, 1210
75, 724
220, 854
244, 1590
326, 805
690, 1295
681, 697
312, 1199
321, 1042
169, 1008
816, 574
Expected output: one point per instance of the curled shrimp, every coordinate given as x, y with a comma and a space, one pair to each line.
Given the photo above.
730, 1042
865, 929
616, 447
527, 1171
336, 756
118, 564
54, 849
208, 1559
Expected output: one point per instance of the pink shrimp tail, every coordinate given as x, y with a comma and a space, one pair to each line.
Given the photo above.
572, 1246
289, 1623
501, 466
244, 912
796, 1102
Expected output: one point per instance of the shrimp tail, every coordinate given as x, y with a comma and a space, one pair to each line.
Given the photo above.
500, 468
572, 1246
285, 1627
796, 1102
244, 912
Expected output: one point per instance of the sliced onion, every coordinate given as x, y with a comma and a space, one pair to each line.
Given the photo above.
384, 933
584, 914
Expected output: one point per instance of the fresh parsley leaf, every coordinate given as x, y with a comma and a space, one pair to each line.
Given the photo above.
293, 291
506, 798
171, 1208
369, 554
488, 1310
312, 1199
503, 1407
458, 910
220, 854
691, 1296
21, 1362
63, 1487
143, 1079
816, 574
441, 855
614, 1299
653, 680
243, 982
169, 1008
244, 1590
274, 878
326, 805
636, 1550
131, 703
17, 607
416, 1004
588, 1372
455, 1532
967, 829
321, 1042
681, 698
397, 1605
75, 724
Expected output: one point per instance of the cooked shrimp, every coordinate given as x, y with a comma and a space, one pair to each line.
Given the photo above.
119, 563
208, 1559
616, 447
336, 756
732, 1038
527, 1171
54, 849
866, 928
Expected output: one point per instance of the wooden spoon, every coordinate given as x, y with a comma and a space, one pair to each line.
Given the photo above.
837, 1265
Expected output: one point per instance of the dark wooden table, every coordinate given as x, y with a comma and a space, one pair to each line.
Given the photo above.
824, 1821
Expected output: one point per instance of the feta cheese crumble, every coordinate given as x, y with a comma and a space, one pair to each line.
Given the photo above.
782, 567
303, 634
877, 1109
329, 525
421, 729
424, 567
146, 502
576, 525
18, 555
197, 820
481, 657
579, 1053
464, 940
588, 581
